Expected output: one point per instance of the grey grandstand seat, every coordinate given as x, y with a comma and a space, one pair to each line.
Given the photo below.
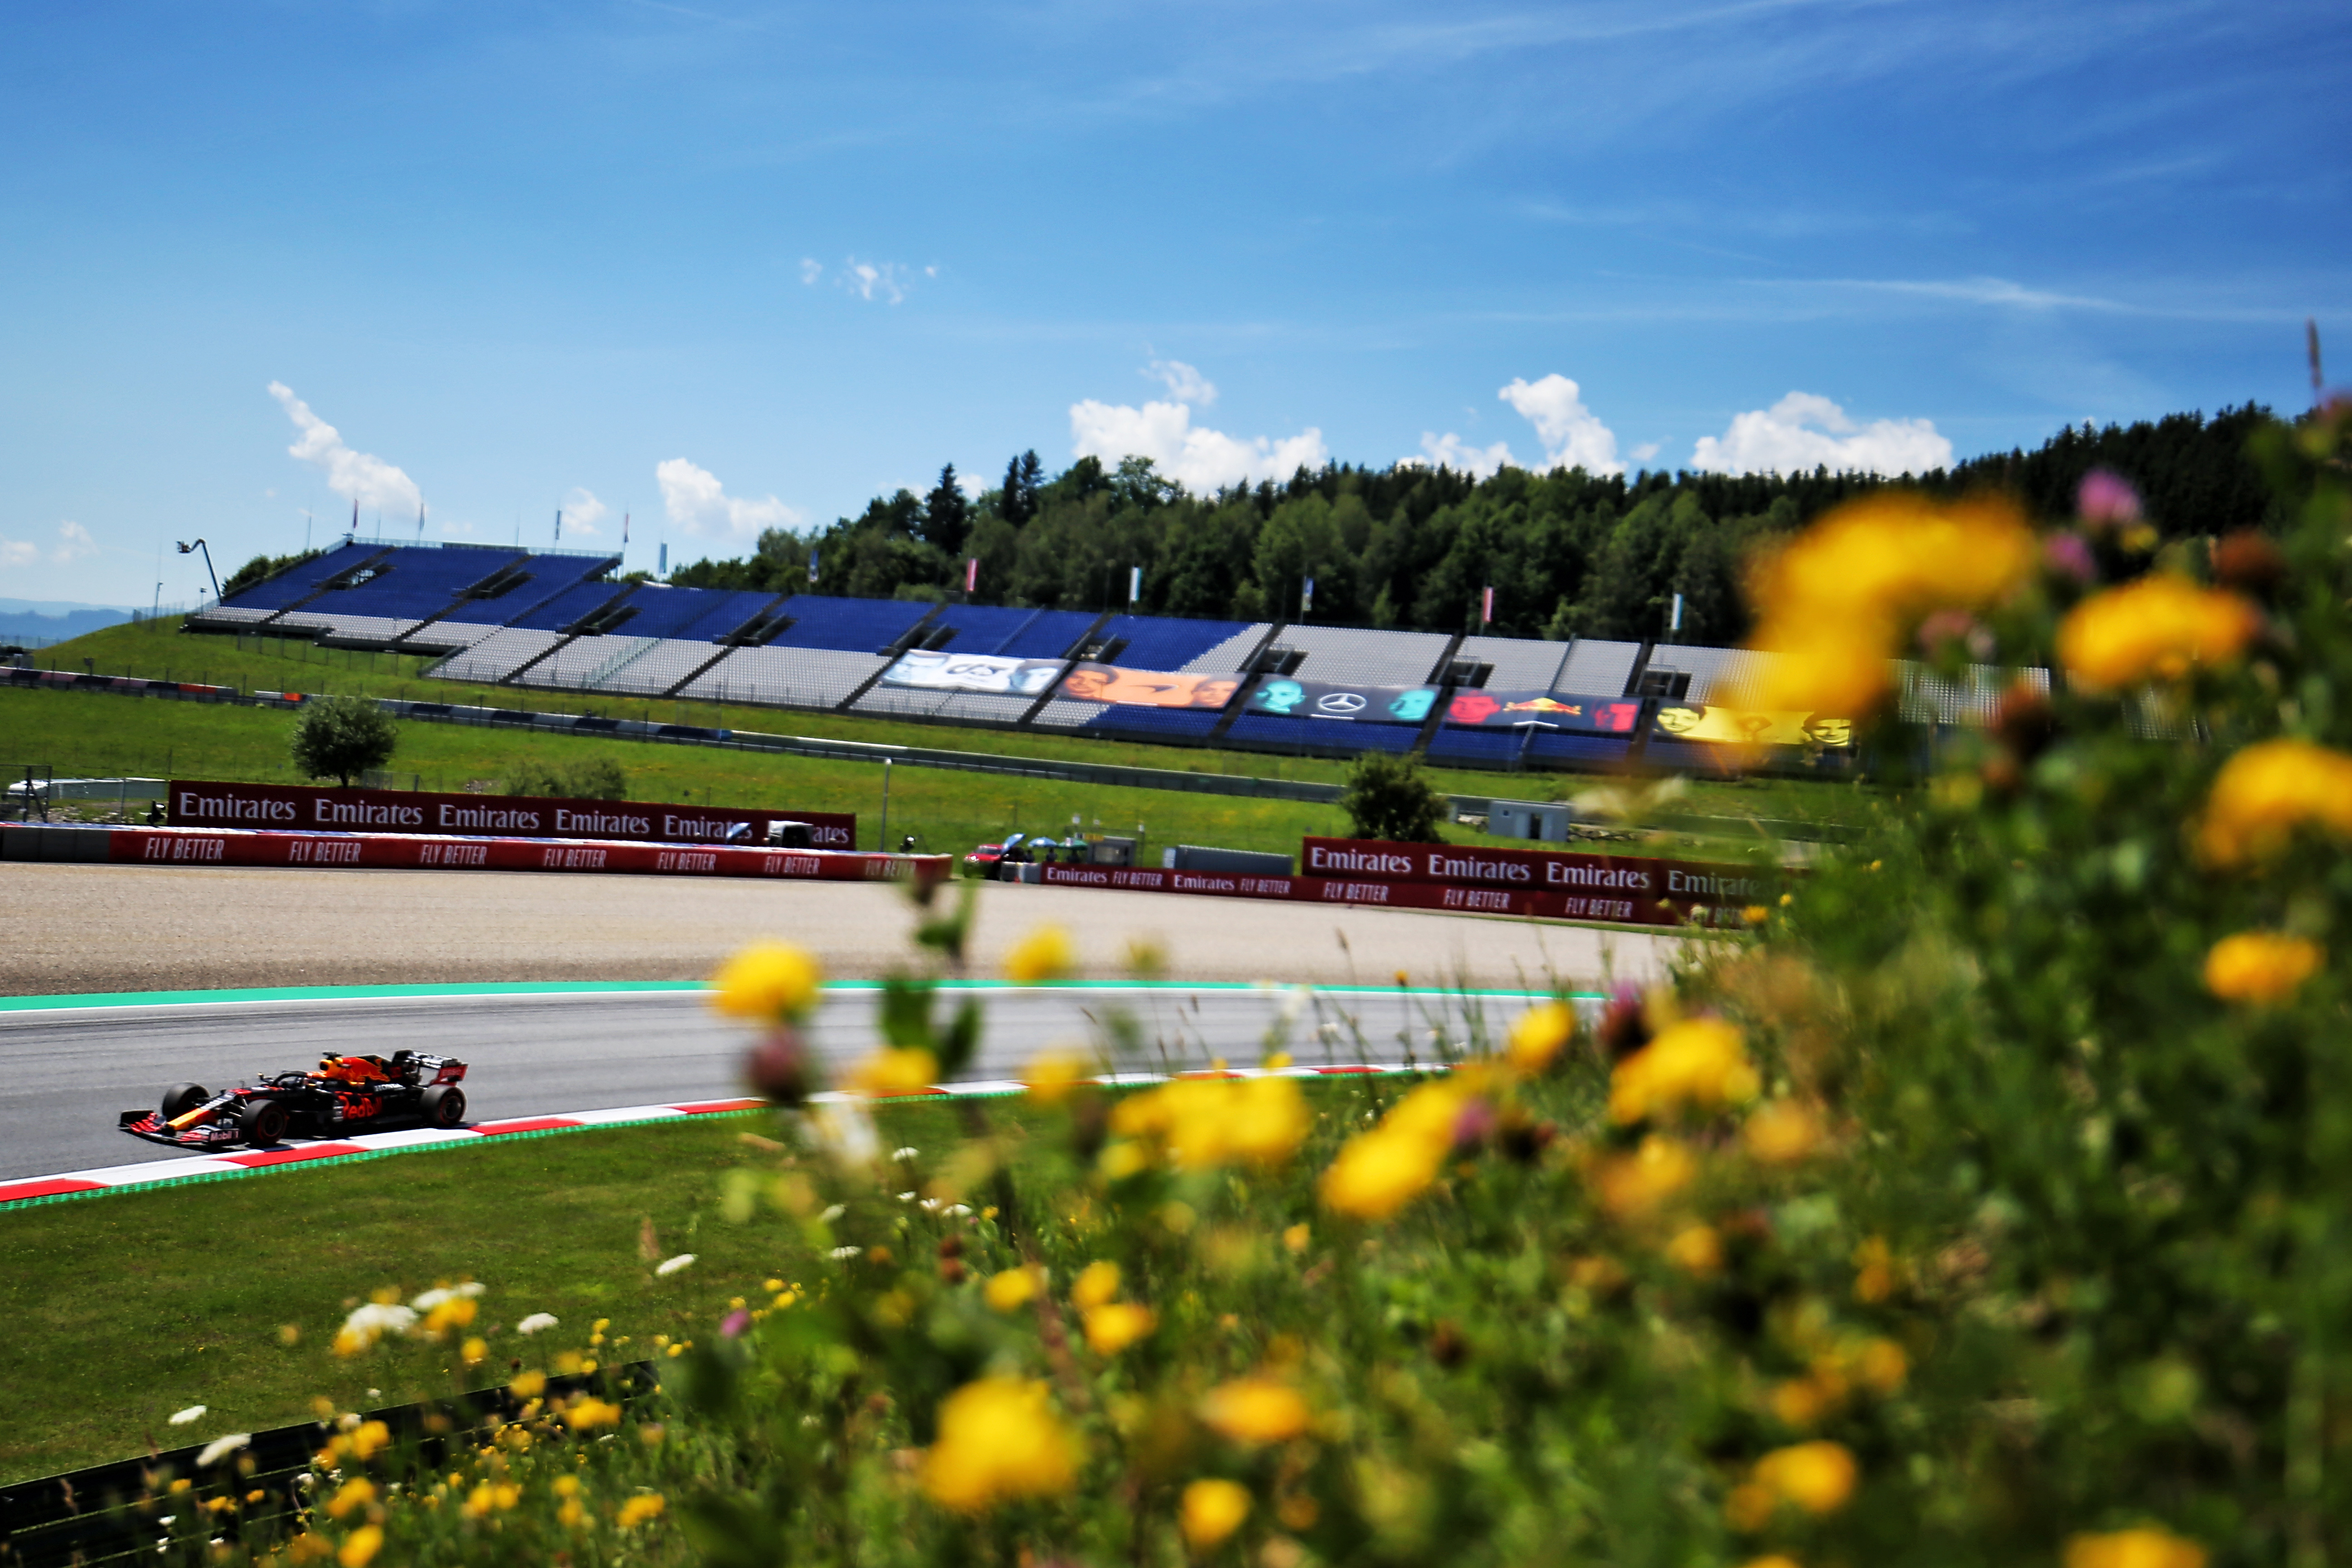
653, 666
449, 636
585, 664
1520, 664
494, 656
1931, 699
974, 707
229, 616
780, 677
1724, 676
1347, 657
1596, 668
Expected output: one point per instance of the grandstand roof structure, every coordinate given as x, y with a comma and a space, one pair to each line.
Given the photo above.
558, 620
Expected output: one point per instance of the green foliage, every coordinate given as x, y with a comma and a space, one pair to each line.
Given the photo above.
574, 778
261, 568
341, 737
1388, 796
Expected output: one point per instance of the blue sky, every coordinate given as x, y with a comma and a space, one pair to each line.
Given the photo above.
721, 265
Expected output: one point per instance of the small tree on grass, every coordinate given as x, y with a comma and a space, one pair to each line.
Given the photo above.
583, 778
343, 737
1388, 796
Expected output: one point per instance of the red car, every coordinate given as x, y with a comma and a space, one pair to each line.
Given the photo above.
346, 1094
985, 859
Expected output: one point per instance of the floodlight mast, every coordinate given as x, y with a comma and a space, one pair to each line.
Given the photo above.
200, 544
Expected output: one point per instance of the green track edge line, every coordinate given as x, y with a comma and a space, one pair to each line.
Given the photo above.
61, 1000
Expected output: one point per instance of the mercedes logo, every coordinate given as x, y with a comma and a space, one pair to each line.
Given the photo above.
1340, 702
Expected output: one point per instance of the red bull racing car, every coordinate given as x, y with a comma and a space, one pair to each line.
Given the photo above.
346, 1094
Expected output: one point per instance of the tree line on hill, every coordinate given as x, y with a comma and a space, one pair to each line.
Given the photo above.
1567, 552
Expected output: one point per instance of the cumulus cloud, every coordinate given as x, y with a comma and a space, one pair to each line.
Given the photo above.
1644, 452
1184, 383
811, 269
356, 476
1803, 431
583, 510
73, 542
1572, 436
700, 506
1199, 458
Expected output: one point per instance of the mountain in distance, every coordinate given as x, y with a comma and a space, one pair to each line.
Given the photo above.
36, 622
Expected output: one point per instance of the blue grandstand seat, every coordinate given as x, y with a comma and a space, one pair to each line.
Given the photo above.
1573, 750
691, 615
413, 583
558, 611
984, 628
1157, 724
1455, 744
1690, 754
1163, 643
300, 583
1048, 636
851, 626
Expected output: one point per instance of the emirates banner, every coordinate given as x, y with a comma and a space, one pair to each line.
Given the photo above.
988, 673
1743, 727
1540, 871
1112, 683
300, 807
1324, 699
1506, 709
418, 851
1611, 905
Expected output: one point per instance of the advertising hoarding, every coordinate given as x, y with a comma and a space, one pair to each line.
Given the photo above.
992, 674
1750, 727
419, 851
1479, 709
1292, 698
1116, 684
207, 804
1539, 871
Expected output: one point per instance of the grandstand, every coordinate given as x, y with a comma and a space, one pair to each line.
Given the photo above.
557, 620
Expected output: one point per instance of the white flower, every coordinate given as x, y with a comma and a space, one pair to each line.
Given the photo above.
930, 1205
221, 1447
193, 1413
834, 1213
844, 1254
845, 1133
372, 1321
906, 1197
672, 1265
904, 1154
431, 1299
535, 1323
959, 1210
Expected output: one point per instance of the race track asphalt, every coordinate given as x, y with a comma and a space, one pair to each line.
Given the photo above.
65, 1072
79, 930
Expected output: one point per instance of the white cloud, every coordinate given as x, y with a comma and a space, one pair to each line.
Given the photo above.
1184, 383
1572, 436
1803, 431
1200, 460
1644, 452
699, 505
361, 476
581, 510
869, 280
73, 542
1451, 451
811, 269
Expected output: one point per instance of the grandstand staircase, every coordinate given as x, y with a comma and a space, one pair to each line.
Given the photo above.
621, 660
763, 627
500, 580
1249, 678
1441, 675
329, 586
595, 623
889, 655
1070, 656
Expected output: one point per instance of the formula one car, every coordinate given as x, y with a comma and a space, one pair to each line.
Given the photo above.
346, 1094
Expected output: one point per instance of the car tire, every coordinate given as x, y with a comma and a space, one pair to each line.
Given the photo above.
443, 1105
264, 1122
182, 1098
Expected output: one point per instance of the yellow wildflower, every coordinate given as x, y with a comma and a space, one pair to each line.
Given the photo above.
998, 1441
2155, 628
1780, 1133
1200, 1123
479, 1502
2146, 1547
1097, 1283
1052, 1074
639, 1509
2260, 966
355, 1493
1011, 1290
1379, 1171
361, 1547
567, 1486
1046, 953
1818, 1476
367, 1438
1296, 1237
1883, 1365
1774, 1561
455, 1312
474, 1352
766, 982
1700, 1062
1255, 1410
2267, 791
889, 1072
1539, 1036
1211, 1511
1748, 1508
1834, 601
1114, 1325
1874, 1271
1696, 1251
1633, 1185
589, 1410
528, 1384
